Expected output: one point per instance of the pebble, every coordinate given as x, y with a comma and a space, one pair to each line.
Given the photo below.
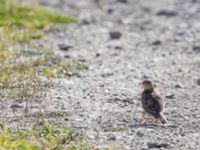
196, 48
170, 96
64, 47
157, 42
98, 54
67, 56
178, 86
81, 59
198, 81
156, 145
140, 134
85, 22
122, 1
118, 47
115, 35
107, 75
111, 137
110, 11
167, 13
16, 106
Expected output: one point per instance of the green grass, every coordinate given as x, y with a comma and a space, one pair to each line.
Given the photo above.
16, 15
23, 65
26, 71
21, 22
44, 136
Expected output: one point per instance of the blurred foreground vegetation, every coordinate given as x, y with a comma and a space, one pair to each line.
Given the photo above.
22, 65
43, 137
23, 70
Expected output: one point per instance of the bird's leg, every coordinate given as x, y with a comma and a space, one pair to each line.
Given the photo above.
144, 117
156, 121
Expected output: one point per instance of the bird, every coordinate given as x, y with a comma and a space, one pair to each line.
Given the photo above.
152, 102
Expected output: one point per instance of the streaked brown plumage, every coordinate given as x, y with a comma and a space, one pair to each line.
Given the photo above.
152, 102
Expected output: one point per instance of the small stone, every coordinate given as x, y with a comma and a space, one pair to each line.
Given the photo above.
110, 10
142, 28
167, 13
97, 54
107, 74
16, 106
156, 145
64, 47
196, 48
81, 59
66, 119
180, 70
115, 35
178, 86
157, 42
173, 63
122, 1
118, 47
140, 134
85, 22
145, 76
67, 56
102, 85
147, 9
111, 137
170, 96
58, 97
198, 81
182, 134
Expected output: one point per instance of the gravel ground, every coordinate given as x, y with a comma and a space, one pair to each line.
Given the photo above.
123, 42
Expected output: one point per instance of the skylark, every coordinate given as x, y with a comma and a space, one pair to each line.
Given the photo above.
152, 102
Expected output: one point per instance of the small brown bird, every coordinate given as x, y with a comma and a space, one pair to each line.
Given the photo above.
152, 102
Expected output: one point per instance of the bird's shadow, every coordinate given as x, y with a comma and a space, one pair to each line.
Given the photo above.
139, 125
151, 126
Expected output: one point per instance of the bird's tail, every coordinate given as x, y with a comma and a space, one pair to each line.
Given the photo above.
162, 118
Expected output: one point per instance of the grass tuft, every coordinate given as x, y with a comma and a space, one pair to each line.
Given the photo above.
44, 136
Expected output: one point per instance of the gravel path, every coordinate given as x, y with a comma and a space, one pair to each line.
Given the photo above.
124, 42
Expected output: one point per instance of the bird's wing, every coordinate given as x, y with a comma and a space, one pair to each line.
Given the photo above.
158, 97
152, 103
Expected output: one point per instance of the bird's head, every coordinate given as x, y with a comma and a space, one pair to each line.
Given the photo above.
147, 85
